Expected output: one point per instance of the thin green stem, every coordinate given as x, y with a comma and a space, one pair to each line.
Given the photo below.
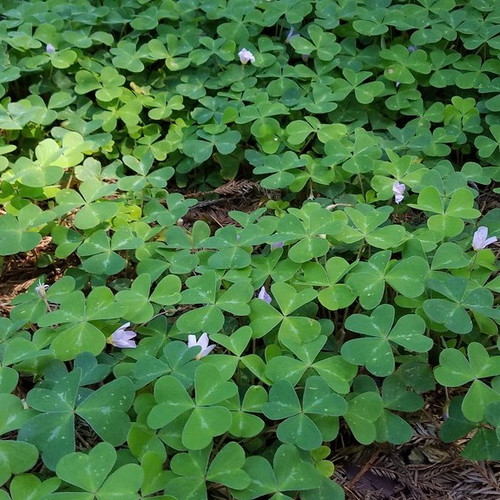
361, 186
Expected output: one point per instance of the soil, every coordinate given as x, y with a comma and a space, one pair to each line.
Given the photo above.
425, 468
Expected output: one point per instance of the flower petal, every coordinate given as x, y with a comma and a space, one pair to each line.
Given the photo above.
479, 238
203, 341
207, 350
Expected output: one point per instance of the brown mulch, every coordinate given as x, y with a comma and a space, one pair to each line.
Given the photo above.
242, 195
487, 199
388, 477
20, 271
422, 469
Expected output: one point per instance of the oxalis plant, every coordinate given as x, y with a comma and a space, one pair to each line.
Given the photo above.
183, 360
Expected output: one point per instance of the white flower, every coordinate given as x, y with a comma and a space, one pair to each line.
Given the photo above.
480, 239
50, 49
291, 34
41, 289
203, 343
398, 189
246, 56
263, 295
122, 337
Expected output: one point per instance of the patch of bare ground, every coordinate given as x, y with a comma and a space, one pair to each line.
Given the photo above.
21, 270
425, 468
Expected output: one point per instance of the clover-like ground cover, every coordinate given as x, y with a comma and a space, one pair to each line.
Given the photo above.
254, 231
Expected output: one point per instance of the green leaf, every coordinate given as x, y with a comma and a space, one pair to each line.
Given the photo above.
298, 131
336, 297
81, 337
44, 171
289, 299
386, 237
237, 342
100, 304
396, 396
8, 379
328, 490
191, 464
477, 399
245, 425
368, 279
492, 415
123, 482
376, 352
336, 372
167, 291
453, 316
408, 276
90, 473
449, 311
319, 400
106, 410
14, 238
393, 429
262, 478
155, 478
136, 300
301, 431
285, 368
485, 445
187, 487
226, 468
263, 317
172, 400
283, 401
15, 457
409, 332
456, 425
57, 418
28, 486
87, 472
204, 424
293, 473
19, 349
449, 256
210, 388
235, 300
297, 328
461, 205
208, 319
455, 370
202, 289
362, 413
430, 200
